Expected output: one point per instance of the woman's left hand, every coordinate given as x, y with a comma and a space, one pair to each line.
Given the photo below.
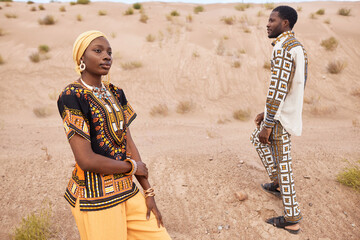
151, 207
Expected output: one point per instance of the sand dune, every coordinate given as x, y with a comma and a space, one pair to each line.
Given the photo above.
196, 163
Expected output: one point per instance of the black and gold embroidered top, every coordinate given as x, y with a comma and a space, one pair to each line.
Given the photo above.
103, 122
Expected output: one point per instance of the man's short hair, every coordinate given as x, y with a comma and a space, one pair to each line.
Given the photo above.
286, 12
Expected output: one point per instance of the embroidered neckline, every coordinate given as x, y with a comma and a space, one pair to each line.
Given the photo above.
284, 34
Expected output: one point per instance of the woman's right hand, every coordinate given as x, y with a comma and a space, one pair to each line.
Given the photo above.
142, 170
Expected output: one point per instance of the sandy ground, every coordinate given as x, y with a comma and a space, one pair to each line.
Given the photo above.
196, 163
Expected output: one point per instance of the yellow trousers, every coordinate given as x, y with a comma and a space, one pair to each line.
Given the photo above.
126, 221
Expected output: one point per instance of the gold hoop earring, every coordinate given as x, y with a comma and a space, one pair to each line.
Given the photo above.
82, 66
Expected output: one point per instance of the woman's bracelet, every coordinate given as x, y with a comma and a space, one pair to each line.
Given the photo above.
133, 166
149, 192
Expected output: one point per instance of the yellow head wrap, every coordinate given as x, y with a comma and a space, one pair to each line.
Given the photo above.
81, 43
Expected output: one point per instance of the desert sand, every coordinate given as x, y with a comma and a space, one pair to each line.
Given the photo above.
200, 159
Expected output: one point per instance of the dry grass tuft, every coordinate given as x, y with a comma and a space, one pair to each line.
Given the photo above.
35, 226
236, 64
242, 6
1, 60
62, 9
137, 6
356, 123
43, 48
129, 11
131, 65
228, 20
189, 18
79, 17
327, 21
2, 32
299, 9
42, 112
344, 11
83, 1
102, 13
241, 115
30, 2
175, 13
242, 51
350, 177
267, 65
35, 57
184, 107
143, 18
33, 9
320, 11
198, 9
329, 44
72, 3
336, 66
159, 110
312, 16
247, 30
10, 15
150, 38
269, 6
47, 20
41, 7
195, 54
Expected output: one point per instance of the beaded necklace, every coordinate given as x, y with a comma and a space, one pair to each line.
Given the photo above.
98, 92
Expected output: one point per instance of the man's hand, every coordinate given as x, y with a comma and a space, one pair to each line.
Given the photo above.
259, 118
264, 135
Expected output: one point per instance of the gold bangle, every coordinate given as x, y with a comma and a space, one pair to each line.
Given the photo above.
149, 192
132, 166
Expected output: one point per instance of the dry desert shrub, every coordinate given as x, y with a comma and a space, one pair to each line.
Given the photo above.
79, 17
5, 0
33, 9
299, 9
320, 11
344, 11
269, 6
30, 2
113, 34
330, 44
241, 115
129, 11
83, 2
62, 9
72, 3
35, 226
242, 6
247, 30
350, 177
137, 6
131, 65
159, 110
327, 21
10, 15
198, 9
143, 18
150, 38
236, 64
184, 107
42, 112
1, 60
7, 5
189, 18
41, 7
2, 32
47, 20
242, 51
267, 65
35, 57
102, 13
43, 48
356, 92
228, 20
336, 66
195, 54
174, 13
312, 16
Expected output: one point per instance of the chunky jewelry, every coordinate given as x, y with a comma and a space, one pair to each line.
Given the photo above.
82, 66
133, 166
149, 192
98, 92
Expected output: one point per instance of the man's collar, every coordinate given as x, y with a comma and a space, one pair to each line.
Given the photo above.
284, 34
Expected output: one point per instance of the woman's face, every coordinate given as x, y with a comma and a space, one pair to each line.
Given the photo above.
97, 57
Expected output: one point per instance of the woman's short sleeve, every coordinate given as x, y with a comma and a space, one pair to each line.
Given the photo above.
73, 109
129, 112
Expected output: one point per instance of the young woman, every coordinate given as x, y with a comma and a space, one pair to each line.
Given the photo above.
105, 201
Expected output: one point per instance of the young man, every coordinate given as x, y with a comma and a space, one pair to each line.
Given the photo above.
283, 114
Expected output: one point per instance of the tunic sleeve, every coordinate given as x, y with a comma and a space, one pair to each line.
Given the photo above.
73, 109
129, 112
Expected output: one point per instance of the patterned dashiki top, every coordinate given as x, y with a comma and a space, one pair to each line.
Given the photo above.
103, 122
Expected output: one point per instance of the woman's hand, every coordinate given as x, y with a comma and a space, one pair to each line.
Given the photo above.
142, 170
259, 118
151, 207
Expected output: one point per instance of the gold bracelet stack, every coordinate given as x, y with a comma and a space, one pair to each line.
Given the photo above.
133, 166
149, 192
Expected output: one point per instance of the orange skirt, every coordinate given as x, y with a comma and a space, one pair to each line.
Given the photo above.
126, 221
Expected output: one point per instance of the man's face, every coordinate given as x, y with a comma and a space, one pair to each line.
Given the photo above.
275, 25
